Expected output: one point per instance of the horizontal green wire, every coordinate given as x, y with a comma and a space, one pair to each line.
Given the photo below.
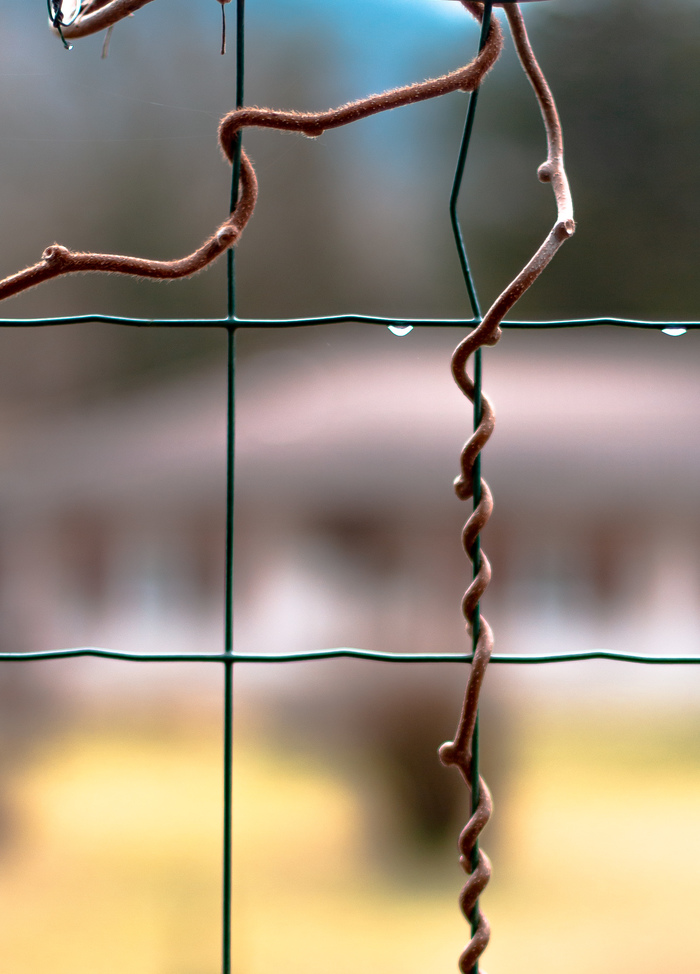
344, 652
334, 320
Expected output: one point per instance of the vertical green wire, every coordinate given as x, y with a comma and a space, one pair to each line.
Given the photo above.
459, 173
475, 553
230, 466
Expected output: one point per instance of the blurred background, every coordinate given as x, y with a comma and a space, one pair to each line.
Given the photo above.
112, 499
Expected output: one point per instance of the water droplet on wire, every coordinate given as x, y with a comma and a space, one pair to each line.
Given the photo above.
400, 330
62, 13
674, 332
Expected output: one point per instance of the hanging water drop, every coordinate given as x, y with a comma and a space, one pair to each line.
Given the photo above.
674, 332
400, 330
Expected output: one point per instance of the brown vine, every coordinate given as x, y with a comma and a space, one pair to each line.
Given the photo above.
313, 124
458, 751
100, 14
97, 15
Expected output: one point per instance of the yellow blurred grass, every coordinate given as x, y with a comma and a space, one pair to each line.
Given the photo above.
603, 866
118, 866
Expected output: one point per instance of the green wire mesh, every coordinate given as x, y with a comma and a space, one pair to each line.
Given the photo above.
228, 657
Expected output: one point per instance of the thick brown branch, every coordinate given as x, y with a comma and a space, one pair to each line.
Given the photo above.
458, 752
553, 169
488, 333
313, 124
99, 14
57, 260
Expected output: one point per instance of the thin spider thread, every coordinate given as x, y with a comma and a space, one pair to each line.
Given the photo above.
458, 752
57, 260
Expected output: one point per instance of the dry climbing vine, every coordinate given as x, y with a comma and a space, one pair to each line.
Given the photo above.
97, 15
458, 751
101, 14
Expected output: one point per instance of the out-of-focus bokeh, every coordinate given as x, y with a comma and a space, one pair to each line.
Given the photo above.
112, 500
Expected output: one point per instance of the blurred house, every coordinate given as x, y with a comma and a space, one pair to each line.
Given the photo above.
348, 533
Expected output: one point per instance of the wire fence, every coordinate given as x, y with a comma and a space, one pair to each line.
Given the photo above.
72, 20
